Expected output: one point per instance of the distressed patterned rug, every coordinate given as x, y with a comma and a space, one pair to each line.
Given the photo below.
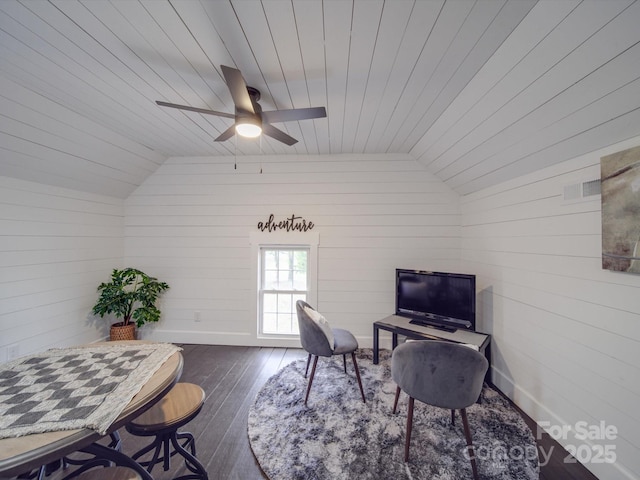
337, 436
79, 387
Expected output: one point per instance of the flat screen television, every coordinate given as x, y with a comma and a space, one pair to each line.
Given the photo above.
442, 300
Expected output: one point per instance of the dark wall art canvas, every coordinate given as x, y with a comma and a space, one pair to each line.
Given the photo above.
620, 176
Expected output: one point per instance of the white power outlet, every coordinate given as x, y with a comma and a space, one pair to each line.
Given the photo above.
13, 351
196, 316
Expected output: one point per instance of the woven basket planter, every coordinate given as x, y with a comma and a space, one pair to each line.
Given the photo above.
122, 332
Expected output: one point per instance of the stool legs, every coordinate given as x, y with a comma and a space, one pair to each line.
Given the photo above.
191, 462
177, 408
158, 445
65, 462
162, 453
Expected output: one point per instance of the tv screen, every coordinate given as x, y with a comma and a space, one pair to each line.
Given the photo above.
440, 299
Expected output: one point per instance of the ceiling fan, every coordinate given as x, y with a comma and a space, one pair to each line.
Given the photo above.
249, 119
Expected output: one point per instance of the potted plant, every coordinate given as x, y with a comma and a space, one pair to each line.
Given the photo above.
130, 295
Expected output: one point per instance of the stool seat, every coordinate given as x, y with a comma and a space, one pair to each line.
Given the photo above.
177, 408
110, 473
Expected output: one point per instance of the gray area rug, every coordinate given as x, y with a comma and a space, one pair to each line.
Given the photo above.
337, 436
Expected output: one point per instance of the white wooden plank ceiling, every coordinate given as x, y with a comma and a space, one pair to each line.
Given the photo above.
477, 91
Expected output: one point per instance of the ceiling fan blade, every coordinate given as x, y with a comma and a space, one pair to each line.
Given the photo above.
238, 88
195, 109
279, 135
275, 116
227, 134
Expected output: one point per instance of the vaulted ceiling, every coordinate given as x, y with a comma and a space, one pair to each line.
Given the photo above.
477, 91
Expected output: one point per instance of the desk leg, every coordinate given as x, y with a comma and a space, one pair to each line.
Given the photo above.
394, 339
376, 339
487, 353
119, 458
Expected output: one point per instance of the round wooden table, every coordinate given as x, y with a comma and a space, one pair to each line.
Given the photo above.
23, 454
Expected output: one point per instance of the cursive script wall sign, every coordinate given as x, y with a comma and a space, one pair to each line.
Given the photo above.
290, 224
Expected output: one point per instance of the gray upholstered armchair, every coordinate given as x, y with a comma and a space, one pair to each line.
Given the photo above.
441, 374
320, 340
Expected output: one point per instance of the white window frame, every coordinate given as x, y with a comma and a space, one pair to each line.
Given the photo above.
291, 292
283, 240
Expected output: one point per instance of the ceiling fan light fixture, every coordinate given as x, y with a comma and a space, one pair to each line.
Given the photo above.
248, 127
248, 117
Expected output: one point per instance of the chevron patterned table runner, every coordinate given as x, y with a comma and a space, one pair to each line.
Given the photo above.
74, 388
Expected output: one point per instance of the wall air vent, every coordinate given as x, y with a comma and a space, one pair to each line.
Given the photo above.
572, 192
590, 188
579, 192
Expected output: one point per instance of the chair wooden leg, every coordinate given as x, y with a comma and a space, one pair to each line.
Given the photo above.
395, 402
467, 434
306, 372
344, 362
453, 417
407, 442
355, 364
313, 372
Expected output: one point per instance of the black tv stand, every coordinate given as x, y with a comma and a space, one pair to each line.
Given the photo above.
398, 325
424, 323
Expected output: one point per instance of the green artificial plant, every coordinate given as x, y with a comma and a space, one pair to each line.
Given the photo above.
130, 295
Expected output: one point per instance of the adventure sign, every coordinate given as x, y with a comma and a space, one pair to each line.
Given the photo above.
290, 224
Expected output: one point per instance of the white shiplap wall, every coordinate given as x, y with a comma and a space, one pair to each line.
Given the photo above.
56, 246
566, 334
190, 224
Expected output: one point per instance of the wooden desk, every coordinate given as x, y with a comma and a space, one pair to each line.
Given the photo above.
22, 454
398, 325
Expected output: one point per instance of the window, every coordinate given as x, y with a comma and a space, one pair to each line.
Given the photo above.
284, 269
284, 279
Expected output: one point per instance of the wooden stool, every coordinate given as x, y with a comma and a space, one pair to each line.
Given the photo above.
109, 473
178, 407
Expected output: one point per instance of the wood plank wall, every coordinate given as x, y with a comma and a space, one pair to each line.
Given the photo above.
56, 246
190, 223
566, 334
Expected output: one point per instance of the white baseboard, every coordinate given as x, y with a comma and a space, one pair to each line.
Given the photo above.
237, 339
217, 338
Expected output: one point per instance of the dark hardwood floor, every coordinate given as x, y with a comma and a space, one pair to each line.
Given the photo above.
231, 377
